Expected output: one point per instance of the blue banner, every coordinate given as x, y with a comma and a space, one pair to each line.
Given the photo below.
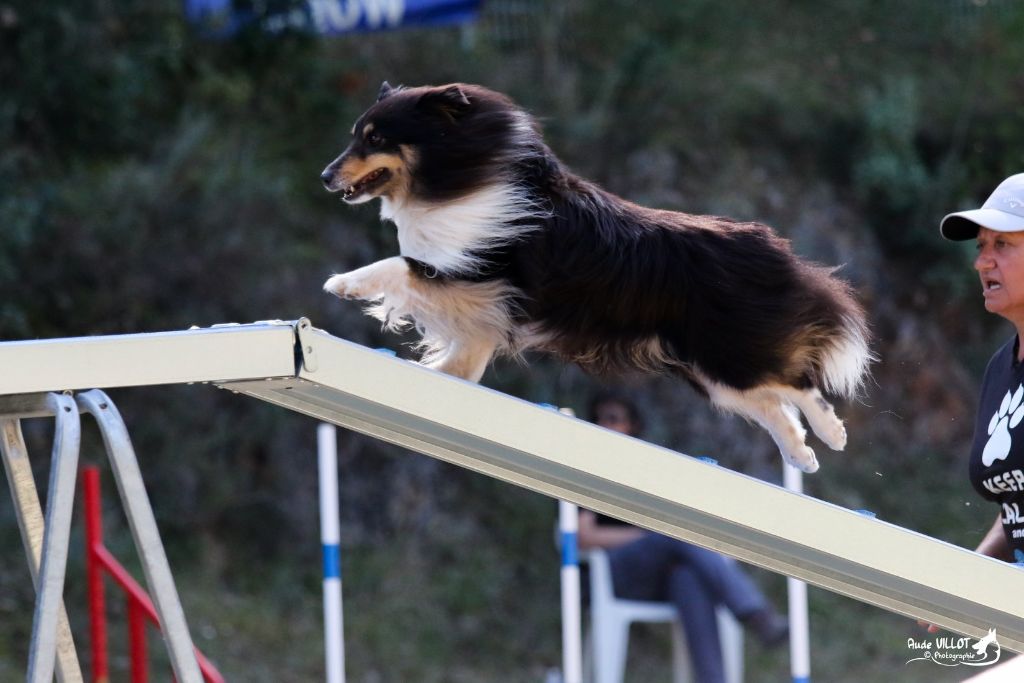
327, 17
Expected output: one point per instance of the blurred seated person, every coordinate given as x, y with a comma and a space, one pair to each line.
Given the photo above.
648, 566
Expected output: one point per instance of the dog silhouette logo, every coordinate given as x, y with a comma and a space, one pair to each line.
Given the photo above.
1008, 416
982, 645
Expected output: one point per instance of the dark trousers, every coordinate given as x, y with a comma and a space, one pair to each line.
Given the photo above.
693, 579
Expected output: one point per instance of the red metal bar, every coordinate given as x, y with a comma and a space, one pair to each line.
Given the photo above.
132, 588
94, 574
129, 586
137, 641
210, 673
140, 607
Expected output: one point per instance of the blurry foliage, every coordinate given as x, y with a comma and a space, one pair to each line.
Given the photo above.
890, 177
151, 180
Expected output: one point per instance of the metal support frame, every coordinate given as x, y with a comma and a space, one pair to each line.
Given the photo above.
145, 533
518, 442
46, 541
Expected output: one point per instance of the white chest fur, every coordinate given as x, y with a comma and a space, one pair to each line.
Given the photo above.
447, 235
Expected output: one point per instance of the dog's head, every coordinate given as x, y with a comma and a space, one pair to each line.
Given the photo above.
435, 142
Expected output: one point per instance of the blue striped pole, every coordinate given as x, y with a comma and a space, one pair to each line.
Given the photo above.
330, 536
572, 627
572, 642
799, 623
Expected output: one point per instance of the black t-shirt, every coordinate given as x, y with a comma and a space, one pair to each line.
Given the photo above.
997, 455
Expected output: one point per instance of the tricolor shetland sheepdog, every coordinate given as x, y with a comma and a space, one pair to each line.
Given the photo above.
504, 249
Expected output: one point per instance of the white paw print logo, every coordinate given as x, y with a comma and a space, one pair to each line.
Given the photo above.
1006, 418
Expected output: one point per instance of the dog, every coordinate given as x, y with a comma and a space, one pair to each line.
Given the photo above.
504, 249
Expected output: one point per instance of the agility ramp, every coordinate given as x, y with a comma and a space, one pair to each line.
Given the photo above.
293, 365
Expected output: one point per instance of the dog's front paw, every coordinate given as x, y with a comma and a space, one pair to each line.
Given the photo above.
343, 286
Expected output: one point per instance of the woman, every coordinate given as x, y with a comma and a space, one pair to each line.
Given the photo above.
649, 566
997, 453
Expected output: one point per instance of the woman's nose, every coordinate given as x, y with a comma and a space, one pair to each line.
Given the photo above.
983, 261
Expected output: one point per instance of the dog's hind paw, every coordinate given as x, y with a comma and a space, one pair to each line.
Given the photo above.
803, 459
834, 435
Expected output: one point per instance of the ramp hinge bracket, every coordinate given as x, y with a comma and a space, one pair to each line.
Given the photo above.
306, 351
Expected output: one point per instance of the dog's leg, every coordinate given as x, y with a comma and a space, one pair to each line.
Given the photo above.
372, 281
465, 359
782, 421
820, 414
777, 416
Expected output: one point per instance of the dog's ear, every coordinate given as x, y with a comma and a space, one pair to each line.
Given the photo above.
385, 90
450, 100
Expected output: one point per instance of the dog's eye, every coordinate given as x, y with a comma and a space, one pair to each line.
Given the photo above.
374, 139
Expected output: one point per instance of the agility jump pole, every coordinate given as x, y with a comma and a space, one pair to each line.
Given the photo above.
330, 535
298, 367
572, 620
799, 619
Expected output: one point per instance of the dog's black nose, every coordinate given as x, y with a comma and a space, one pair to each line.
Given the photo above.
327, 176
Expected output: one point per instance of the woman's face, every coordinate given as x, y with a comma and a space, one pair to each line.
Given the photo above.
1000, 265
615, 416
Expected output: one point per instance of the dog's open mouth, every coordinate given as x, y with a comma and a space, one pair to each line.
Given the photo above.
368, 183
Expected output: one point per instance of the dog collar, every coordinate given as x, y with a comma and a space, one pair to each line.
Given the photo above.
424, 269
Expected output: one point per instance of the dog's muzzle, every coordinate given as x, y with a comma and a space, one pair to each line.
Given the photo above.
327, 177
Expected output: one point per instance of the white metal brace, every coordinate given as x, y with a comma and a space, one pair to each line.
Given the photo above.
46, 541
516, 441
46, 564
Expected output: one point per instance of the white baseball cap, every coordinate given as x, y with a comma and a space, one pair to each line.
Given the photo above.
1003, 211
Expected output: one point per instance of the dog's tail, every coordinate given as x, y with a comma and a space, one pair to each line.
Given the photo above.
843, 365
835, 334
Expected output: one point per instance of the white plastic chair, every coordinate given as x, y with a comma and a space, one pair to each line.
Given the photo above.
610, 618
